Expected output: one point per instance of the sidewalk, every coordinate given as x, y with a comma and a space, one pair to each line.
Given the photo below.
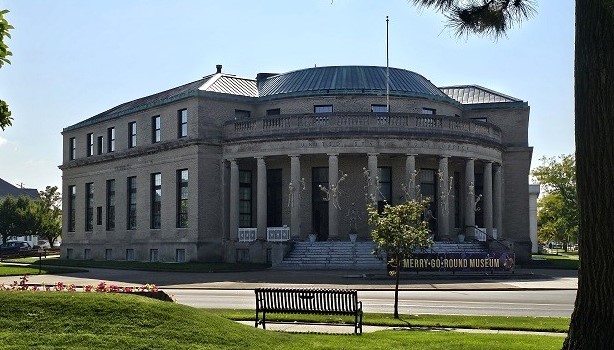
297, 327
522, 279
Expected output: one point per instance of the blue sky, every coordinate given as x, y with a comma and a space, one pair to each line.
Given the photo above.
73, 59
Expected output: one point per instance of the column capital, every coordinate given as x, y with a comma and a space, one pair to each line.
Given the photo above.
411, 154
332, 154
259, 157
294, 155
444, 156
232, 160
373, 154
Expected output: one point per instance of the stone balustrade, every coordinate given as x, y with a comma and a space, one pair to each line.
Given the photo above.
381, 124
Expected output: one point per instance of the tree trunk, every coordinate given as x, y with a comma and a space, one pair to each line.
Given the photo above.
592, 322
396, 287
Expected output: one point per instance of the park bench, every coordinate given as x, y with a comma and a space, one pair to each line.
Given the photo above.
308, 301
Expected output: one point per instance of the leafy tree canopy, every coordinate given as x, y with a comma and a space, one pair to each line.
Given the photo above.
5, 114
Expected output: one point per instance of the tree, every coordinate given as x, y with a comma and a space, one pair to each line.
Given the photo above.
558, 208
5, 114
397, 232
14, 216
592, 320
47, 214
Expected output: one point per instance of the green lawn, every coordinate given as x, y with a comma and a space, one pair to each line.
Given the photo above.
52, 320
537, 324
12, 270
562, 261
148, 266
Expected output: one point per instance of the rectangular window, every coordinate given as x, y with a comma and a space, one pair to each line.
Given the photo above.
72, 199
131, 134
182, 123
130, 254
323, 109
153, 255
156, 200
90, 145
69, 254
156, 135
384, 195
98, 216
72, 148
245, 198
108, 254
241, 114
274, 111
89, 206
180, 255
182, 198
100, 144
429, 111
111, 140
379, 108
87, 254
110, 205
131, 203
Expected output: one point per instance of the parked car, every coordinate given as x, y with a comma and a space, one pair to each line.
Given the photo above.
15, 246
42, 243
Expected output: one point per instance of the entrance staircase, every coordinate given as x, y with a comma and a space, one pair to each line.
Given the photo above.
333, 255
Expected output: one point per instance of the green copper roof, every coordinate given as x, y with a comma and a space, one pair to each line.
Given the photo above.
348, 79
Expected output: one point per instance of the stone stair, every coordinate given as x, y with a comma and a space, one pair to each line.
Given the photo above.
332, 255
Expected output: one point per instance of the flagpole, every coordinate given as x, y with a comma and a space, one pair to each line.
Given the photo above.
387, 71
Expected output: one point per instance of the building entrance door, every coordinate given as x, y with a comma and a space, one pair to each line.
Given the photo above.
319, 204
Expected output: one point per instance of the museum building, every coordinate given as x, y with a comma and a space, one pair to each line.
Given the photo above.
234, 169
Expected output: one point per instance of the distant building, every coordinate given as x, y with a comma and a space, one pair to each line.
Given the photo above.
231, 169
6, 189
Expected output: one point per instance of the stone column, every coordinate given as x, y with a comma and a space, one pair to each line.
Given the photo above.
443, 208
372, 166
410, 176
234, 200
498, 200
261, 200
333, 212
470, 198
295, 197
488, 222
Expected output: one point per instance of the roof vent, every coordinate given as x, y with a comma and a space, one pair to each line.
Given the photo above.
218, 67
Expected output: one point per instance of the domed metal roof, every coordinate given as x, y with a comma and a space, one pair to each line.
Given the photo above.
348, 80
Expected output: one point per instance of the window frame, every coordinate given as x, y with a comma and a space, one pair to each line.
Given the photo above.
90, 144
156, 201
182, 123
89, 207
132, 142
182, 198
131, 200
72, 148
316, 107
72, 198
111, 139
156, 129
428, 111
375, 105
110, 222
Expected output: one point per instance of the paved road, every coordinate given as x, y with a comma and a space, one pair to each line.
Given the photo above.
502, 303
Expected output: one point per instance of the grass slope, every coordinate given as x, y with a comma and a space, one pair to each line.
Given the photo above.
14, 270
52, 320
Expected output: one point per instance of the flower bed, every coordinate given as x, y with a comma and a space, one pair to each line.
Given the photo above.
148, 290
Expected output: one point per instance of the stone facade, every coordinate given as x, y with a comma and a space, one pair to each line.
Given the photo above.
254, 159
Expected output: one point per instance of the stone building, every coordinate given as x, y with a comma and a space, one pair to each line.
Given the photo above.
236, 169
